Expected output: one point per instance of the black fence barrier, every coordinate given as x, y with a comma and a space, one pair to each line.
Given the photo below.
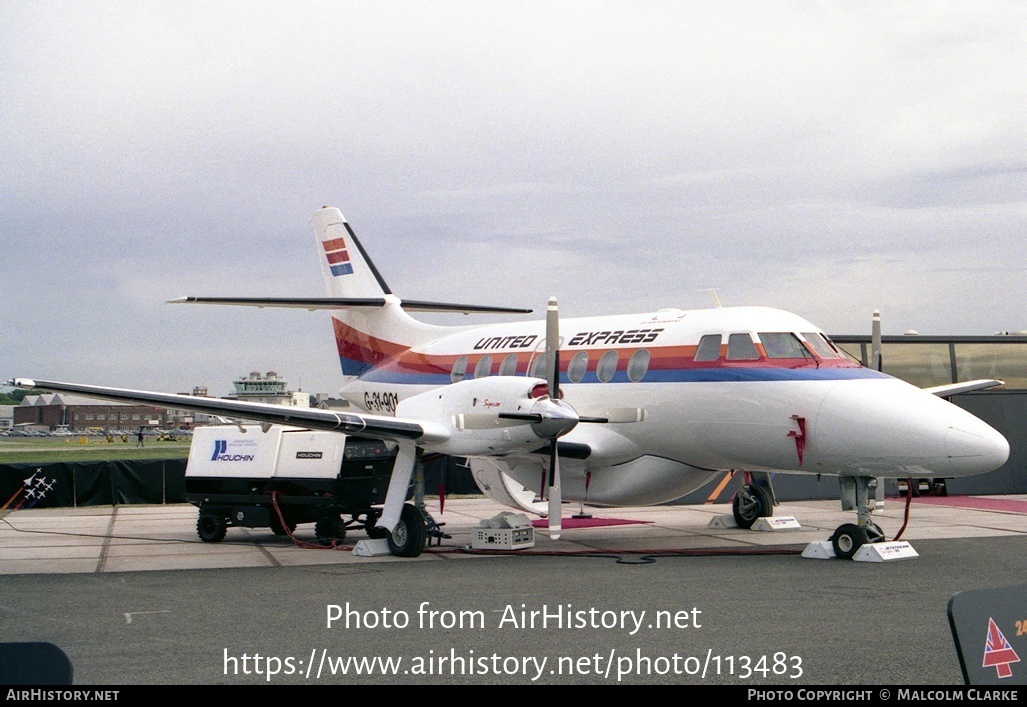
106, 483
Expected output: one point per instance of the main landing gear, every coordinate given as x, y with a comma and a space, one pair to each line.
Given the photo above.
848, 538
752, 501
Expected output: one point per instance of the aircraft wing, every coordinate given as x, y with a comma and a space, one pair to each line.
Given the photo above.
965, 387
377, 426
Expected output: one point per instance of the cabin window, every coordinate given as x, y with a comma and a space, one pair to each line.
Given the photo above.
538, 366
709, 348
820, 344
509, 365
783, 345
741, 348
459, 369
607, 366
577, 367
638, 364
484, 367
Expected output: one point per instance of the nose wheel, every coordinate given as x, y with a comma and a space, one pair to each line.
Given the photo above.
850, 537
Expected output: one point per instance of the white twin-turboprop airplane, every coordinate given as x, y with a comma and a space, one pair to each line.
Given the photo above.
619, 410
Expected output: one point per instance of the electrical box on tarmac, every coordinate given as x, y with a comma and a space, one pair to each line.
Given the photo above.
242, 475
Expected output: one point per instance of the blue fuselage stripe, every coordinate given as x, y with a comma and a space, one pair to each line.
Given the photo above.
687, 375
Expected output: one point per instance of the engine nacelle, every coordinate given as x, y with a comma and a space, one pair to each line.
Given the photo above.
470, 411
492, 476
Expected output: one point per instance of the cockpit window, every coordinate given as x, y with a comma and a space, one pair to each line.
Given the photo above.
741, 348
709, 348
783, 345
820, 344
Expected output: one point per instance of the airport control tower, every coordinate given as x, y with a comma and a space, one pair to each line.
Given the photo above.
256, 388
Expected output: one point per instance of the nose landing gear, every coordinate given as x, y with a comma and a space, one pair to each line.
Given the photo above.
849, 538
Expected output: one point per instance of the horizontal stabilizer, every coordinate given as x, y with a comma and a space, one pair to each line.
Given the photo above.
965, 387
312, 303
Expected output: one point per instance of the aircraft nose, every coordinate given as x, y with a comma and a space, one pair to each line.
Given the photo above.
889, 427
976, 450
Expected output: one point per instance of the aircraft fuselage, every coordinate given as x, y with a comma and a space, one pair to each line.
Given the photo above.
749, 388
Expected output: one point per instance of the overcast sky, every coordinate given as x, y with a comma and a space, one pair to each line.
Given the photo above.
827, 158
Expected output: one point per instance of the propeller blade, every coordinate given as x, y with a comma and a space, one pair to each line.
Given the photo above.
487, 421
555, 500
875, 341
615, 415
522, 416
552, 347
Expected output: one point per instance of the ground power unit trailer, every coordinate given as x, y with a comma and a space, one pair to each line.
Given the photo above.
281, 477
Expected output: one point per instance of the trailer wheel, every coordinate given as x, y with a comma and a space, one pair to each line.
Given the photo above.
374, 532
329, 528
211, 527
276, 525
408, 539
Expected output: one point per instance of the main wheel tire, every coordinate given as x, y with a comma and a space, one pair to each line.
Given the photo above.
847, 539
751, 505
211, 527
329, 529
276, 525
408, 539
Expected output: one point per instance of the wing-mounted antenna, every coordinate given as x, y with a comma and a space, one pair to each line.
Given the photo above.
716, 299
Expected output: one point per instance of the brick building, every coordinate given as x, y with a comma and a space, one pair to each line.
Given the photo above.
78, 414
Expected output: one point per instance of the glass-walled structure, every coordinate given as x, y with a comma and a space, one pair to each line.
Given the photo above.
939, 360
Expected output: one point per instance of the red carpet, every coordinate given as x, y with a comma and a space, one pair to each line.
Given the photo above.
587, 522
984, 503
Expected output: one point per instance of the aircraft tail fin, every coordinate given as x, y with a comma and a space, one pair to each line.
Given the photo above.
371, 324
347, 270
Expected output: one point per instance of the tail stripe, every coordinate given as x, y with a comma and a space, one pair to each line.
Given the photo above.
367, 260
336, 252
359, 352
334, 244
